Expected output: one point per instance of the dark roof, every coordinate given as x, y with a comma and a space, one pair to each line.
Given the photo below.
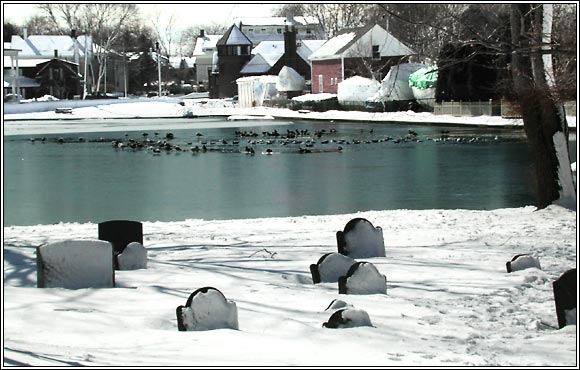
234, 36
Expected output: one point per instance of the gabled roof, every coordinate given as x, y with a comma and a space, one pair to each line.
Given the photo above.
206, 42
340, 44
35, 46
257, 65
276, 21
234, 37
68, 65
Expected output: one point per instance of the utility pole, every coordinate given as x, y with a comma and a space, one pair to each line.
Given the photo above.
158, 67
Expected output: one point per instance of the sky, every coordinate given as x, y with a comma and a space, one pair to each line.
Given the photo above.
186, 13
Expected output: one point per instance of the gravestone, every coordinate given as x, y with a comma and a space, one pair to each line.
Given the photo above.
522, 262
134, 257
348, 318
330, 267
360, 239
565, 298
120, 233
75, 264
337, 304
362, 278
207, 309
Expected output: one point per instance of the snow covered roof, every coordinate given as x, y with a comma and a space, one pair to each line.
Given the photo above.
234, 37
345, 44
45, 45
23, 81
25, 63
258, 64
206, 45
331, 48
275, 21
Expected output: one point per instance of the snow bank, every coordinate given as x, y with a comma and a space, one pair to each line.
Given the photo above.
356, 90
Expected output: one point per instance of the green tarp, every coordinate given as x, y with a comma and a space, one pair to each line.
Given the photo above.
425, 78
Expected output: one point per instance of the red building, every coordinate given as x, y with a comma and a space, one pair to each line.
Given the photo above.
367, 52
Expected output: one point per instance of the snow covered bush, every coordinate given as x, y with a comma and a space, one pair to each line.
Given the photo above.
362, 278
360, 239
522, 262
134, 257
75, 264
207, 309
330, 267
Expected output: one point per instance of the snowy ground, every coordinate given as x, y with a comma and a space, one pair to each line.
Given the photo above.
449, 301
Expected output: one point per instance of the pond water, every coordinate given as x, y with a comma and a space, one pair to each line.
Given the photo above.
351, 167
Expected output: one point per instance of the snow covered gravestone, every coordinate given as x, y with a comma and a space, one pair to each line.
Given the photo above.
75, 264
207, 309
360, 239
134, 257
522, 262
362, 278
330, 267
120, 233
348, 318
565, 298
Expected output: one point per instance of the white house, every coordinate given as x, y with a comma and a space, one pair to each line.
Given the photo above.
260, 29
205, 60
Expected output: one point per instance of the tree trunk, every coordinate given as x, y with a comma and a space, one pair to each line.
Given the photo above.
544, 118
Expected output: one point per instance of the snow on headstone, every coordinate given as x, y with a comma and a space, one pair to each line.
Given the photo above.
134, 257
565, 298
522, 262
330, 267
120, 233
337, 304
75, 264
360, 239
348, 318
207, 309
362, 278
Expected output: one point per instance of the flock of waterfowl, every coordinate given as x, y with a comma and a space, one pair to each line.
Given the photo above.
267, 142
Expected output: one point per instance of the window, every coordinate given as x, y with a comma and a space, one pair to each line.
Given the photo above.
279, 30
320, 83
376, 52
244, 50
251, 30
308, 31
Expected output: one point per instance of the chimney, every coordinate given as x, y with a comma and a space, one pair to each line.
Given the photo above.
201, 33
25, 33
73, 34
290, 54
55, 53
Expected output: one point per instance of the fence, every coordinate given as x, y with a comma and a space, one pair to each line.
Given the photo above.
488, 108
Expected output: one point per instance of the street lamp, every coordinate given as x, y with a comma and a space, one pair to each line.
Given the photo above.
158, 67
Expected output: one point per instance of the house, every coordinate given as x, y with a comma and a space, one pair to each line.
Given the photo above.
270, 56
59, 78
79, 49
368, 52
260, 29
233, 53
15, 82
205, 54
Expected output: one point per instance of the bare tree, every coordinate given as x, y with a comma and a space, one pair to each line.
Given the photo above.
166, 34
103, 21
335, 17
